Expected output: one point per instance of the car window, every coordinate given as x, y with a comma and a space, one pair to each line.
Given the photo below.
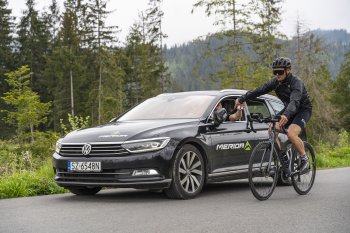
258, 107
228, 104
170, 107
276, 106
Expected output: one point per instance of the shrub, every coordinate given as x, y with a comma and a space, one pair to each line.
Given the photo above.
337, 155
18, 157
29, 183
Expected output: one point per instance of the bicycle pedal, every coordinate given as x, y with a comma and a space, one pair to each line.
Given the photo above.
293, 174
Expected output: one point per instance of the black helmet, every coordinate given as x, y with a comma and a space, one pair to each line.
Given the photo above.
282, 62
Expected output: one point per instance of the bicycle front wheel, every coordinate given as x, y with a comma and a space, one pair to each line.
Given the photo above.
303, 183
263, 172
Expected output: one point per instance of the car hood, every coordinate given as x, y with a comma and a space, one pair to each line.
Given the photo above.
127, 130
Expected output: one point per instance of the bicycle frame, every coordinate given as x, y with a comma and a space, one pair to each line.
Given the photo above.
272, 143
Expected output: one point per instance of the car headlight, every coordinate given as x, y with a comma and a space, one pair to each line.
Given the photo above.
145, 145
58, 147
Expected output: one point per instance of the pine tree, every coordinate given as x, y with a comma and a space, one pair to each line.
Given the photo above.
233, 17
33, 38
249, 31
310, 66
153, 35
6, 37
52, 21
98, 38
27, 110
7, 62
65, 70
265, 34
146, 72
342, 94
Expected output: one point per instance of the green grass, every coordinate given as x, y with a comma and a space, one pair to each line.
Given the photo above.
28, 183
338, 157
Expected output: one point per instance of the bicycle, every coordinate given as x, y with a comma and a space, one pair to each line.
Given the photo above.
265, 165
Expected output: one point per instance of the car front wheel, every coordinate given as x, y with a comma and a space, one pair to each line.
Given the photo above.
188, 172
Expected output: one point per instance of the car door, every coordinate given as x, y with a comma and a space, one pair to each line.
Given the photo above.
230, 143
259, 106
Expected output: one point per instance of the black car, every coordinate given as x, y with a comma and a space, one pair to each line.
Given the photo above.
172, 142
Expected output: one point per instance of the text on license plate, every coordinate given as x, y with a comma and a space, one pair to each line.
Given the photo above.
84, 166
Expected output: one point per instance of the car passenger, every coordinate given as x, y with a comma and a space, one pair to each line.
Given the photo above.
235, 114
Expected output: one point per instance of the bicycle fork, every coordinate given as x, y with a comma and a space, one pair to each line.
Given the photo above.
268, 168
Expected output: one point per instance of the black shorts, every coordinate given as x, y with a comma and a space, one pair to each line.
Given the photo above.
300, 118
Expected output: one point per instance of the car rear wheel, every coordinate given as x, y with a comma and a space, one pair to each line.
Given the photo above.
84, 190
188, 174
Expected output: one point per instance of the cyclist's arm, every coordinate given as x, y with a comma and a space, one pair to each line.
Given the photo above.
295, 97
264, 89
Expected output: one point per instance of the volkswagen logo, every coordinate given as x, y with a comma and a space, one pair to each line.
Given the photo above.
86, 149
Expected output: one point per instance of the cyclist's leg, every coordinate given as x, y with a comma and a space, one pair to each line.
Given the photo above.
293, 136
298, 122
282, 153
281, 148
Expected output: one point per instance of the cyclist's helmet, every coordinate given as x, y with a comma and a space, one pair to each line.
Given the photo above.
282, 62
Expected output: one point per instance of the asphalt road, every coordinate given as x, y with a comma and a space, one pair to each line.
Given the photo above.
225, 207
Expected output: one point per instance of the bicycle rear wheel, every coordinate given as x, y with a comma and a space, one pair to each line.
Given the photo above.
263, 175
303, 183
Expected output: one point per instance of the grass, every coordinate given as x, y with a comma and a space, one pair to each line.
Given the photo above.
337, 157
28, 183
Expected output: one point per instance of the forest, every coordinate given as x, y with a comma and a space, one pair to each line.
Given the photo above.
64, 69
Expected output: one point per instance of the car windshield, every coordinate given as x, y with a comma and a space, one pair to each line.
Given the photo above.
169, 107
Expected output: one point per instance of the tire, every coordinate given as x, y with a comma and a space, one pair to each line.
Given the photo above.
84, 191
188, 174
303, 183
262, 182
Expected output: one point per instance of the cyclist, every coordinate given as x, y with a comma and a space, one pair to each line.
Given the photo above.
297, 111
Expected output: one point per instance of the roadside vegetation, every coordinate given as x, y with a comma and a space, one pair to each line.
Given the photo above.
26, 168
338, 155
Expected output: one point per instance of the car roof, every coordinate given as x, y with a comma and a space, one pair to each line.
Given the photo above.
219, 93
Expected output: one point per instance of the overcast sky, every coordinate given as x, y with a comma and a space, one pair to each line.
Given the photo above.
181, 26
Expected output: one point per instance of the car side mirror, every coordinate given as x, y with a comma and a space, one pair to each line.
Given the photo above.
256, 115
219, 116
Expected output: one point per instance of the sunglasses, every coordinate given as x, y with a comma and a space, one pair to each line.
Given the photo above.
278, 72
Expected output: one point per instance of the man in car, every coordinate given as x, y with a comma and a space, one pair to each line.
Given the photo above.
235, 115
298, 108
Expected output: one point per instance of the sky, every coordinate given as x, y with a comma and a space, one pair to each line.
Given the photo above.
181, 26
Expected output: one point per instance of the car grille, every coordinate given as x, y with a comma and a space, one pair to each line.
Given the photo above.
97, 150
107, 175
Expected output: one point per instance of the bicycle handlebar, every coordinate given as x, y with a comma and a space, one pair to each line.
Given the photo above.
258, 117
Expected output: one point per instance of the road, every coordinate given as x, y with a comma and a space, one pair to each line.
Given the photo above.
224, 207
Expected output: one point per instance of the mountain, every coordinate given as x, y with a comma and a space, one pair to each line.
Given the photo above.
338, 43
191, 67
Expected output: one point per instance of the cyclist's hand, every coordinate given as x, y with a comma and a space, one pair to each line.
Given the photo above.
238, 105
283, 120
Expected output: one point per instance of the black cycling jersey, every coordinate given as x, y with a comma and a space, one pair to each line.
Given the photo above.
291, 91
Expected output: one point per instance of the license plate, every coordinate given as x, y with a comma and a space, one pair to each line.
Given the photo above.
84, 166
